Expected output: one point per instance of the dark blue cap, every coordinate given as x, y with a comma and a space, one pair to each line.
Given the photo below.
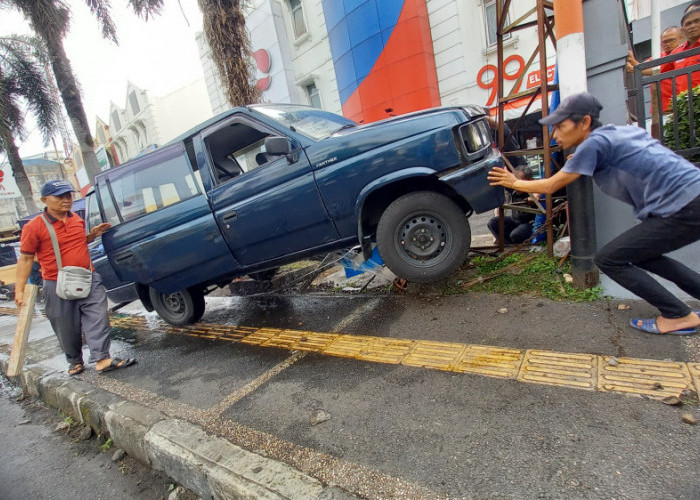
577, 104
56, 188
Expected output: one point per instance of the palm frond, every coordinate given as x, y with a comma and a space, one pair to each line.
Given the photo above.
24, 76
100, 9
146, 8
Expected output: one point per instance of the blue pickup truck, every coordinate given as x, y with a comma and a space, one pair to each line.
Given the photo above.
266, 185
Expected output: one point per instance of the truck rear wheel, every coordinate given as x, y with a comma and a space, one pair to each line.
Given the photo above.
183, 307
423, 237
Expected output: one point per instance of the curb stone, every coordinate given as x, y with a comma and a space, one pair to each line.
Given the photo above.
210, 466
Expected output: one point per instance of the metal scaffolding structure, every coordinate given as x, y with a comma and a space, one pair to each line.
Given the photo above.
543, 21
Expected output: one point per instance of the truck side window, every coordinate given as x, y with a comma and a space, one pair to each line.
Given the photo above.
236, 149
108, 205
92, 213
150, 189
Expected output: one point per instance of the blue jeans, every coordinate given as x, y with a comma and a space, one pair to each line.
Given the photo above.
627, 258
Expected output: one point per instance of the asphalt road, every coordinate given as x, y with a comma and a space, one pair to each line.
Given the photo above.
418, 433
39, 463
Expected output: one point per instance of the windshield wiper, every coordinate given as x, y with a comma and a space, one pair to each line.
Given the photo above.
344, 127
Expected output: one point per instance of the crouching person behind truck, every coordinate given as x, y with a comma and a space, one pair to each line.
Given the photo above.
67, 317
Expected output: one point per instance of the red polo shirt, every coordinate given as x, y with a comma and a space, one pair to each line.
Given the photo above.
35, 240
681, 81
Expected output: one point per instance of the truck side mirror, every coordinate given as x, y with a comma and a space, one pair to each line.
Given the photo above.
278, 146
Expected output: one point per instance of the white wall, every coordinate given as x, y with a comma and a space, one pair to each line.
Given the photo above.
460, 44
181, 110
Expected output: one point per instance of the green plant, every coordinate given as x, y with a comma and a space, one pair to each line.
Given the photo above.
107, 444
68, 419
540, 276
683, 123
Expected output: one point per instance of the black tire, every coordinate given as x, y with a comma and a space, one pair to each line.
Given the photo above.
180, 308
423, 237
265, 275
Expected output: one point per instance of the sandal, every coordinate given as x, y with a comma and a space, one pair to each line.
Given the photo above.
649, 326
75, 369
117, 363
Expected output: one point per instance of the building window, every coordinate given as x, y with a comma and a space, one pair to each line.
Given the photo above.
115, 121
134, 103
101, 135
297, 18
313, 96
490, 14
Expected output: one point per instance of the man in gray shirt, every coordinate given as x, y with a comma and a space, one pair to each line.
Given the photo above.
663, 189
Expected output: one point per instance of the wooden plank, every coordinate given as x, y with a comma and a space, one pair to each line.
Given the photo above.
24, 324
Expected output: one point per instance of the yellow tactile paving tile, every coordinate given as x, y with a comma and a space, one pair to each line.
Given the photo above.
643, 377
490, 361
313, 341
386, 350
629, 376
260, 336
347, 346
559, 368
695, 374
284, 339
434, 355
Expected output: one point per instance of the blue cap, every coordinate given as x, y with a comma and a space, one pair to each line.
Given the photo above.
56, 188
577, 104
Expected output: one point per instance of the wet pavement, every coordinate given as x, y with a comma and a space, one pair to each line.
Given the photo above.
406, 431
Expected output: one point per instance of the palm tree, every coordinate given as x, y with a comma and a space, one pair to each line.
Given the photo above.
224, 27
22, 78
50, 20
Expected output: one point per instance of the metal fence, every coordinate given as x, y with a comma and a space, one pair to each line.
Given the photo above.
677, 126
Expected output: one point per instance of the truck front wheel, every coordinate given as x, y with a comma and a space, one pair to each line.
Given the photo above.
183, 307
423, 237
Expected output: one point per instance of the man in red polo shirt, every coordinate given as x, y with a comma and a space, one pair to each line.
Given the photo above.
68, 317
690, 23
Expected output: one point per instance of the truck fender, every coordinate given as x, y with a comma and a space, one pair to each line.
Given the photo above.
373, 186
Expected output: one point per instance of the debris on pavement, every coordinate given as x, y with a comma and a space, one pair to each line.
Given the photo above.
672, 401
85, 433
62, 427
613, 361
688, 418
623, 307
118, 455
503, 310
320, 416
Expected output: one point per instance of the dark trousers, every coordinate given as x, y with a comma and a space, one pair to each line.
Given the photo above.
627, 258
513, 232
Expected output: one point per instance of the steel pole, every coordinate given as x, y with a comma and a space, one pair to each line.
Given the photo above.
571, 59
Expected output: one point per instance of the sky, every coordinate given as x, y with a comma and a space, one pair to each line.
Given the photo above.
158, 56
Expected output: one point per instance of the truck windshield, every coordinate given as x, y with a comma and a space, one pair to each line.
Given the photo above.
311, 122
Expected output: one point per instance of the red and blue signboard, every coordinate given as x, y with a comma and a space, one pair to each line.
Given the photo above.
383, 56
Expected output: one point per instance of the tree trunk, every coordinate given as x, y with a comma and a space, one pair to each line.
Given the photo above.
225, 31
70, 94
25, 188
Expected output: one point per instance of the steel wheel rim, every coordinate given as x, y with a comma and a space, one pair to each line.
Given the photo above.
422, 239
174, 302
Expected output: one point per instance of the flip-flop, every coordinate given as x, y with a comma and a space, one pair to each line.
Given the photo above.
649, 326
117, 363
76, 369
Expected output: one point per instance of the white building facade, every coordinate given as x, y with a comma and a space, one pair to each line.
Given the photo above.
148, 121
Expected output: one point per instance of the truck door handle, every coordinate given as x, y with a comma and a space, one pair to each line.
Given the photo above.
231, 216
124, 257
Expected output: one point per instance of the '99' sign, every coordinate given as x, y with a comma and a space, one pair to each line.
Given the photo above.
514, 66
